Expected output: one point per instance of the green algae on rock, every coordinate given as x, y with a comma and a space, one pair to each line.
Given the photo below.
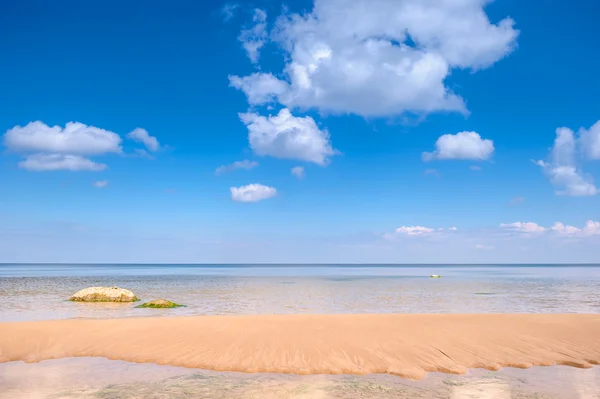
160, 304
104, 294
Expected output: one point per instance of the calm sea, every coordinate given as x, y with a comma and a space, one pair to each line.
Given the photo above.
38, 291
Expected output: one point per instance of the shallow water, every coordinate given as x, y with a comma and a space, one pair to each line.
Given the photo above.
36, 292
100, 378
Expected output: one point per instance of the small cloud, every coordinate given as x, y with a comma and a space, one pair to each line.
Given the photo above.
54, 162
463, 145
413, 231
484, 247
298, 171
252, 193
287, 136
516, 201
563, 166
431, 172
101, 183
523, 227
245, 164
142, 136
228, 11
140, 152
254, 38
475, 167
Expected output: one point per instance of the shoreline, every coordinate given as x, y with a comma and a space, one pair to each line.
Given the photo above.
407, 345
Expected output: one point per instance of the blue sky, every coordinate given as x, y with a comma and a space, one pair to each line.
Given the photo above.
305, 131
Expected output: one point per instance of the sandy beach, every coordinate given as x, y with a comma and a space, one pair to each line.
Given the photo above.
405, 345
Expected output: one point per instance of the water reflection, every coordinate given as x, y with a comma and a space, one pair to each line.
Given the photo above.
86, 378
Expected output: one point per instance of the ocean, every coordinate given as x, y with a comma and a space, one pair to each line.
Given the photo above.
31, 292
41, 292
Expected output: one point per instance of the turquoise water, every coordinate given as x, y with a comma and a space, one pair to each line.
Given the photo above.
37, 292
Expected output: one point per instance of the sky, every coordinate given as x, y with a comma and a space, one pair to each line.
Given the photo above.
323, 131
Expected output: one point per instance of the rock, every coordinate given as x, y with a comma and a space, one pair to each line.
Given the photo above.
104, 294
159, 303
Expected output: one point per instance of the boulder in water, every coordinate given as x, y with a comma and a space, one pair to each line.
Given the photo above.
104, 294
160, 304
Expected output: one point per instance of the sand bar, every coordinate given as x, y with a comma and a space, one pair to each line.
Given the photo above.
405, 345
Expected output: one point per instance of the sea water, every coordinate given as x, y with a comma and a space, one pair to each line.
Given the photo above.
41, 292
36, 292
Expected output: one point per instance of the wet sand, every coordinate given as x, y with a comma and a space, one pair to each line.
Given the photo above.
405, 345
83, 378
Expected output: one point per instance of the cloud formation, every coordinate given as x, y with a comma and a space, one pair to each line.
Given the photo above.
417, 231
298, 171
379, 57
142, 136
54, 162
101, 183
74, 138
564, 168
51, 148
463, 145
254, 38
287, 136
252, 193
245, 164
590, 228
523, 227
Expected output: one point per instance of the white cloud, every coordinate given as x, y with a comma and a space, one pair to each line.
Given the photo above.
252, 193
523, 227
245, 164
379, 57
562, 168
141, 136
101, 183
254, 38
228, 11
74, 138
298, 171
287, 136
484, 247
463, 145
417, 231
591, 228
475, 167
53, 162
590, 141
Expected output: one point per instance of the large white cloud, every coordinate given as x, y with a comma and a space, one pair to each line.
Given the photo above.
74, 138
379, 57
287, 136
53, 162
563, 168
252, 193
142, 136
463, 145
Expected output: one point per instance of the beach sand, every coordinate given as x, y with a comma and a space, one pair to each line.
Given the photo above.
404, 345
